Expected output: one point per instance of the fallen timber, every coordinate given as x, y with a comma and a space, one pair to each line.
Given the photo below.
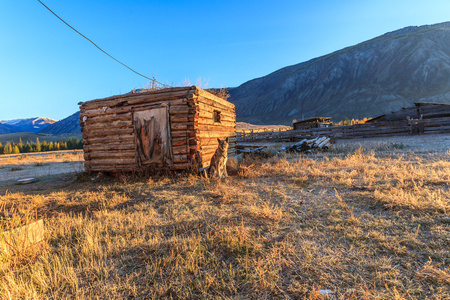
308, 145
321, 143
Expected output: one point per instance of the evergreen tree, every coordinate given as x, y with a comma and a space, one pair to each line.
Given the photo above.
28, 147
44, 146
15, 149
38, 145
20, 145
7, 149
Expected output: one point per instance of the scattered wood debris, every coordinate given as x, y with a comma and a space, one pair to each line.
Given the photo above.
26, 181
308, 145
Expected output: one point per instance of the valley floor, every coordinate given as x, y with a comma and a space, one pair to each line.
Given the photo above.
366, 220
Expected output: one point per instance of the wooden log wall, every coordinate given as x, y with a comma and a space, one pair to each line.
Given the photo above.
208, 131
108, 132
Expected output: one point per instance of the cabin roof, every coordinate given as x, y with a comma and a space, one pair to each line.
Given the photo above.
141, 92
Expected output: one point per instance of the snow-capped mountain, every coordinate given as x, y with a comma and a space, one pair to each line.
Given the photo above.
26, 125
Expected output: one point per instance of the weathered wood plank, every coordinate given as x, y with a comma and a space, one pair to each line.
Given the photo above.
109, 147
110, 140
109, 154
214, 98
210, 108
209, 115
182, 126
184, 151
109, 168
176, 110
112, 161
108, 133
210, 121
216, 128
182, 118
183, 133
216, 134
183, 141
176, 98
105, 119
111, 125
203, 102
180, 158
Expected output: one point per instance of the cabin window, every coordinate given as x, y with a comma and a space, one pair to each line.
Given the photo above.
216, 116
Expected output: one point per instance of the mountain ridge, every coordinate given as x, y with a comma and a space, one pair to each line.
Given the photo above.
68, 125
365, 80
26, 125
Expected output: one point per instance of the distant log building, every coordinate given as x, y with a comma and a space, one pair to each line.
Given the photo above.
418, 117
173, 129
318, 122
420, 110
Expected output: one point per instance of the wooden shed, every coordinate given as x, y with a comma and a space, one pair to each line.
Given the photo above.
173, 129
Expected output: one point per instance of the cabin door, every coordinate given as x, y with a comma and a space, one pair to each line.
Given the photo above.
152, 137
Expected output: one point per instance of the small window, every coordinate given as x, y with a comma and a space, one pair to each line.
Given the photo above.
216, 116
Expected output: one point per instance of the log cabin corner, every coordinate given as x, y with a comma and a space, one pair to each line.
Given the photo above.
174, 129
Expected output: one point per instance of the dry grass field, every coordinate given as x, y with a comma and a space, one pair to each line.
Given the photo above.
368, 222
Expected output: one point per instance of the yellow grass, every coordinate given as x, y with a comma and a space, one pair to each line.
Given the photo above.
368, 224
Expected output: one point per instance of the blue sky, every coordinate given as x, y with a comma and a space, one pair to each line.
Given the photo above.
46, 68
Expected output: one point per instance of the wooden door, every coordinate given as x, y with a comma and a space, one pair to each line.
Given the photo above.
152, 137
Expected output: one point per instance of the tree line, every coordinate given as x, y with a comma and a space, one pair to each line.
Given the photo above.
38, 146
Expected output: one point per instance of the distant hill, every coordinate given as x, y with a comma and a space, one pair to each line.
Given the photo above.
31, 137
5, 128
28, 125
370, 79
69, 125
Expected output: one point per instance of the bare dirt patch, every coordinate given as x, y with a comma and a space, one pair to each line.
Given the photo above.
18, 166
418, 144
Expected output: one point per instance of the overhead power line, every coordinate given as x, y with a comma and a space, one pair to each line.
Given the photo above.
151, 79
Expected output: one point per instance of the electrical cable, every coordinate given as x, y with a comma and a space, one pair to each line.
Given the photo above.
151, 79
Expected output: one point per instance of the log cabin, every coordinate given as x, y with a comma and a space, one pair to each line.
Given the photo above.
171, 129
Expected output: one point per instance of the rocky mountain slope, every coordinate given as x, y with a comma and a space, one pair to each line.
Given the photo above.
372, 78
71, 124
27, 125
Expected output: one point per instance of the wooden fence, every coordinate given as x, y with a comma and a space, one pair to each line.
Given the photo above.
248, 134
425, 126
